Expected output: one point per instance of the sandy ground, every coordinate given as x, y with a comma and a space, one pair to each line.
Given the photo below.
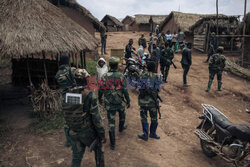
178, 146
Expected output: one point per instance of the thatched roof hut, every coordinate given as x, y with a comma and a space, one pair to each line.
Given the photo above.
127, 21
147, 22
36, 29
247, 42
112, 24
179, 21
202, 29
80, 15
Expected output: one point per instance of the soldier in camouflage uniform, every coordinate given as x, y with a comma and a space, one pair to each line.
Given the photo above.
147, 101
114, 90
167, 56
84, 120
216, 66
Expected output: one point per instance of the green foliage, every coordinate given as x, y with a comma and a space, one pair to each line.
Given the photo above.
48, 126
91, 67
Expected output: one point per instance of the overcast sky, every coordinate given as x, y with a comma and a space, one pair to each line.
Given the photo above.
121, 8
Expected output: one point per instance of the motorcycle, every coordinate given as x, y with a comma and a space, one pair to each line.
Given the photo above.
218, 136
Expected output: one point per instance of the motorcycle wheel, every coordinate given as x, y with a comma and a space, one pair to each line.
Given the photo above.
206, 150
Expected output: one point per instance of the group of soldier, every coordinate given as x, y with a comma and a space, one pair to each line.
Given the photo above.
84, 125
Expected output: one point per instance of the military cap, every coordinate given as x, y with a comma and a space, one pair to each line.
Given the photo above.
114, 60
82, 73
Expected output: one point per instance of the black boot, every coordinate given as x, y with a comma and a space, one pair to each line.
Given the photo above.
153, 127
112, 140
144, 136
68, 141
122, 126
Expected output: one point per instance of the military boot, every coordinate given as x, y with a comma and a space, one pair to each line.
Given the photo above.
144, 136
153, 128
112, 140
122, 126
68, 141
219, 86
209, 85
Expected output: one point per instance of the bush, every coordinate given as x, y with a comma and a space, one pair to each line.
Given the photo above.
91, 67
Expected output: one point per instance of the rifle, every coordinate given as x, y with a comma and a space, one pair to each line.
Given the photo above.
93, 145
173, 64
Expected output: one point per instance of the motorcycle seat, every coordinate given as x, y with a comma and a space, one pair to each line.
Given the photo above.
219, 118
241, 132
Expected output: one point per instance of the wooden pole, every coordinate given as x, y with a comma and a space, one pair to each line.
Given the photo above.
81, 59
217, 15
84, 57
45, 69
76, 60
28, 69
244, 33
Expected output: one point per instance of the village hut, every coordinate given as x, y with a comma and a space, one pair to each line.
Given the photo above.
147, 22
80, 15
227, 26
34, 33
178, 21
127, 22
112, 24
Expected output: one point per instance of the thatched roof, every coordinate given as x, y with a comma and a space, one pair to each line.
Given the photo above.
82, 10
35, 26
144, 19
113, 19
214, 18
128, 17
183, 20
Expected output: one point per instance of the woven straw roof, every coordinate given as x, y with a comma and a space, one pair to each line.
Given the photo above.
35, 26
128, 17
115, 20
144, 19
82, 10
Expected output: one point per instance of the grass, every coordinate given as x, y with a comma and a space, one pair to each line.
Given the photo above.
47, 126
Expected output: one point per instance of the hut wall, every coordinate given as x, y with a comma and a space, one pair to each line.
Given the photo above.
80, 19
144, 27
127, 23
171, 25
134, 27
20, 72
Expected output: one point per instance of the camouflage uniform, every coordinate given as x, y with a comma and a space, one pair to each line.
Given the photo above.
114, 90
84, 120
65, 79
150, 89
167, 56
216, 66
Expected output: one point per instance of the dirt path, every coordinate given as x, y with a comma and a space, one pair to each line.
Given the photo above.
178, 146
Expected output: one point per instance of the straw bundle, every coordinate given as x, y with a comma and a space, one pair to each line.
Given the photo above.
45, 101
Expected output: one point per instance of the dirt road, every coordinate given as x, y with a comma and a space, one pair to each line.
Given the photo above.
178, 146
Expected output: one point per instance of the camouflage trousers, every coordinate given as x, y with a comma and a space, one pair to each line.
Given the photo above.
212, 73
152, 113
79, 143
111, 118
164, 71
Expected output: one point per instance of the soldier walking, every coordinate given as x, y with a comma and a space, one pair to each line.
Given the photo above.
155, 56
114, 90
216, 66
212, 46
186, 62
83, 119
148, 102
166, 60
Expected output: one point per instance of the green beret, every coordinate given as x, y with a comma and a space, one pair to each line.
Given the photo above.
114, 60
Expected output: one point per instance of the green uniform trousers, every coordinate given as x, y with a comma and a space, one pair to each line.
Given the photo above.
152, 113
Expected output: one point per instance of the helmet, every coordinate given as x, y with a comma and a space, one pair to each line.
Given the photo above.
81, 73
114, 60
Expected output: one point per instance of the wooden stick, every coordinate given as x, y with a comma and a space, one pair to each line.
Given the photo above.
244, 34
217, 15
76, 60
81, 58
45, 69
28, 68
84, 56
